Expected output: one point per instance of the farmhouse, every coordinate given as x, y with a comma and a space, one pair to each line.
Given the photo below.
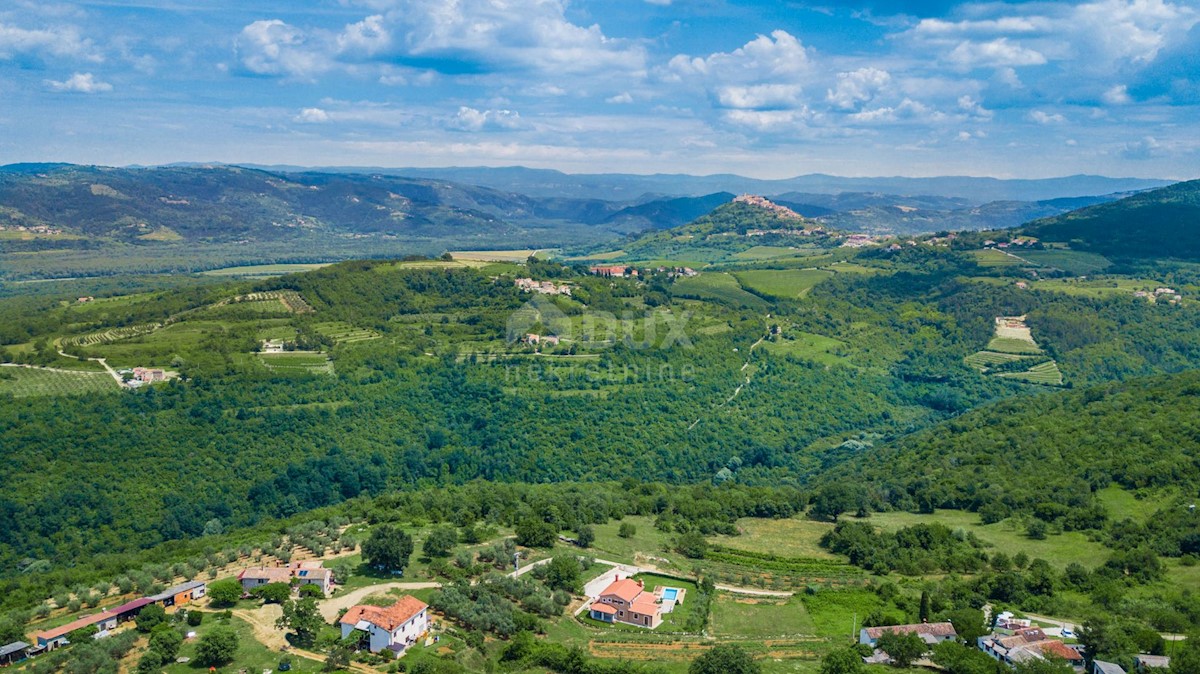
394, 627
1025, 644
148, 375
614, 270
129, 610
930, 633
626, 601
299, 573
180, 594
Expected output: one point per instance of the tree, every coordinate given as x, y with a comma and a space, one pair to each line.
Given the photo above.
303, 618
388, 549
151, 663
725, 659
1050, 665
339, 656
149, 617
310, 590
833, 500
923, 612
1186, 660
439, 541
534, 533
273, 593
902, 647
969, 625
626, 530
225, 592
1106, 639
562, 573
90, 658
842, 661
1036, 530
692, 545
217, 647
956, 658
165, 641
585, 536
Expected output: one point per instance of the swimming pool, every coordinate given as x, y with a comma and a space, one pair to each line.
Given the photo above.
670, 593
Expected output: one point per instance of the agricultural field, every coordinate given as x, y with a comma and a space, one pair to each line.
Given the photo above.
297, 362
1097, 287
1013, 346
985, 359
719, 287
24, 382
498, 255
264, 270
1070, 261
749, 617
111, 335
788, 537
808, 346
990, 257
785, 283
344, 333
766, 252
1043, 373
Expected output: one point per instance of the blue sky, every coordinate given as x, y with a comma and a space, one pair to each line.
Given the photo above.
766, 89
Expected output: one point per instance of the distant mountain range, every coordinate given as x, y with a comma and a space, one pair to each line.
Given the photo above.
631, 187
1159, 223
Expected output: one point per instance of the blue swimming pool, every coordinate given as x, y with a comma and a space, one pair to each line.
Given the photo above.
670, 593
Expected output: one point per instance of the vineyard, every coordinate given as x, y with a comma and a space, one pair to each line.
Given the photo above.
291, 300
111, 335
24, 382
344, 333
1043, 373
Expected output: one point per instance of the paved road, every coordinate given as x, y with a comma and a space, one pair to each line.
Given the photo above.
1059, 624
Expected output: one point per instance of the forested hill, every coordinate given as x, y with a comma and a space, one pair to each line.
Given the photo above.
1160, 223
1047, 456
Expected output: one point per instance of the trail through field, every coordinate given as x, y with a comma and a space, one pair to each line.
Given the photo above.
753, 591
330, 607
111, 372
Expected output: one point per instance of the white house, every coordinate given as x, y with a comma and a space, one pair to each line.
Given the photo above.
394, 627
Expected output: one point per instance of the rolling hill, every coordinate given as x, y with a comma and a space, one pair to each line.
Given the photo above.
1160, 223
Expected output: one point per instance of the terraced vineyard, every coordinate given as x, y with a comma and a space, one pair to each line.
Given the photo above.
1012, 344
111, 335
344, 333
1042, 373
290, 299
22, 382
297, 362
985, 359
720, 287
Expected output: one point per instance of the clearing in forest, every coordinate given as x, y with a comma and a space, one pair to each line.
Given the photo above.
1014, 354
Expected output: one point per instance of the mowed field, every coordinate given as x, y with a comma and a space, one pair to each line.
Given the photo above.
22, 382
786, 283
265, 270
787, 538
719, 287
496, 255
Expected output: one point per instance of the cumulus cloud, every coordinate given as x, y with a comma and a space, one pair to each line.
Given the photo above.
622, 98
1117, 95
1146, 148
272, 47
760, 96
906, 110
312, 116
994, 54
777, 56
973, 107
82, 83
857, 87
50, 42
470, 119
1042, 117
766, 120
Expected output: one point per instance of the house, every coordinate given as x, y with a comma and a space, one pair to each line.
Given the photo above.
180, 594
1102, 667
1026, 644
14, 652
626, 601
56, 637
303, 573
85, 300
1145, 662
129, 610
147, 375
392, 627
614, 270
930, 633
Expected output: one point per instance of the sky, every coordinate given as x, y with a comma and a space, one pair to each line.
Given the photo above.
763, 89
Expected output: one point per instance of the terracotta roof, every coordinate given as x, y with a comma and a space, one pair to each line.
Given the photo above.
386, 617
603, 608
646, 604
1052, 647
63, 630
625, 589
935, 629
267, 573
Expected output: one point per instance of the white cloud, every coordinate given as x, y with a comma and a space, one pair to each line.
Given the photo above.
1042, 117
766, 120
621, 98
760, 96
1117, 95
857, 87
994, 54
999, 26
312, 116
470, 119
907, 110
55, 42
973, 107
368, 36
82, 83
778, 56
272, 47
1146, 148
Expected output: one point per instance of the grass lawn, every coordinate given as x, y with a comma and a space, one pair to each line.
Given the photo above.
251, 655
789, 283
496, 255
1007, 536
1121, 503
833, 612
1070, 261
735, 616
787, 538
647, 541
764, 252
24, 382
989, 257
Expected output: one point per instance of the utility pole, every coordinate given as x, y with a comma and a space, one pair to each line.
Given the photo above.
854, 628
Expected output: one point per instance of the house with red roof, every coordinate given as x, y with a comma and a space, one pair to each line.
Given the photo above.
57, 636
627, 601
393, 628
930, 633
299, 573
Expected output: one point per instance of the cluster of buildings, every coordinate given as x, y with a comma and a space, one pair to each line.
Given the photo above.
613, 270
32, 229
296, 574
1169, 295
627, 601
1023, 241
103, 622
392, 628
807, 231
544, 287
766, 204
859, 241
550, 340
